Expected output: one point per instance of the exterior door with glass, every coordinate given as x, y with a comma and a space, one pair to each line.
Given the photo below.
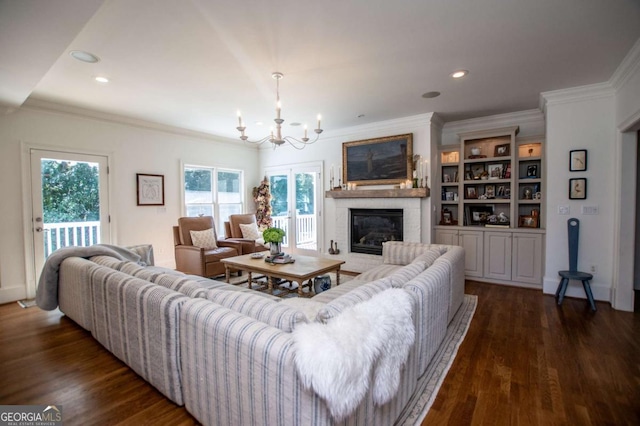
70, 204
297, 206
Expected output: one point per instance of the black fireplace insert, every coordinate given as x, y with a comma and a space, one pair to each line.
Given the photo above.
372, 227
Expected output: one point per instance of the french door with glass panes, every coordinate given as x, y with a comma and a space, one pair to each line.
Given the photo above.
296, 205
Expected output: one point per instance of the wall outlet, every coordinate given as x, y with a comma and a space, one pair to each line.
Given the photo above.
564, 210
590, 210
593, 269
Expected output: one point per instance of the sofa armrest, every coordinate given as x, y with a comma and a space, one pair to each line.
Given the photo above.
231, 243
256, 362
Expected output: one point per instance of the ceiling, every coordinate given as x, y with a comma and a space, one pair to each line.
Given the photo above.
192, 63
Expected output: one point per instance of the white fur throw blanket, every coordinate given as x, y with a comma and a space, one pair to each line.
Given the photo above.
336, 359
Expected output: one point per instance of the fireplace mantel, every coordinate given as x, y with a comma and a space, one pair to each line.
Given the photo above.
380, 193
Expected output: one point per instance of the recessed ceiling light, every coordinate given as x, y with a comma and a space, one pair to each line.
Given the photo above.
83, 56
259, 123
294, 124
430, 95
102, 80
459, 73
361, 116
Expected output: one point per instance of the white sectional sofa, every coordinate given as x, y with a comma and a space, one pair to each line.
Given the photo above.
236, 356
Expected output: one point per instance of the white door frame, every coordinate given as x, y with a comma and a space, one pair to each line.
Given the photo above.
291, 170
29, 211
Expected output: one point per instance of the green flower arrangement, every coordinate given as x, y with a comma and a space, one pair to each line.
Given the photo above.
273, 235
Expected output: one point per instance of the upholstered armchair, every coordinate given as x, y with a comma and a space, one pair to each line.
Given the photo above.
204, 257
234, 232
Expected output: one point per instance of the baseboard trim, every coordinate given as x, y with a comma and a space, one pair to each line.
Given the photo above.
12, 294
600, 292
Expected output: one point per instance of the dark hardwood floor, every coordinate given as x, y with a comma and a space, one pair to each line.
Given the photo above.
525, 361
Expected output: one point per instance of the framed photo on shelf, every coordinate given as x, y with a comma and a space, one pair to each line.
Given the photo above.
471, 192
503, 150
447, 218
477, 170
490, 191
150, 189
578, 160
495, 171
378, 161
480, 214
532, 171
578, 189
527, 221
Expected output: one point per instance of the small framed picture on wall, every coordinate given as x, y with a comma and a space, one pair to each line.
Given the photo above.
578, 189
578, 160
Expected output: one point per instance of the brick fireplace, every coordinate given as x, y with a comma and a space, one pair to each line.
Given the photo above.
411, 226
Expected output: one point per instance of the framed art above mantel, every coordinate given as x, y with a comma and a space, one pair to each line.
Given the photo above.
378, 161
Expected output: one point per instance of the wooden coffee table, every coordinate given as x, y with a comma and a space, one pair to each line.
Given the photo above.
302, 271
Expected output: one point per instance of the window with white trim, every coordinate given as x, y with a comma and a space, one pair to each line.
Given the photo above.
212, 191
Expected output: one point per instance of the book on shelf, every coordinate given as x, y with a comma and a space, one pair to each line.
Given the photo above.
496, 225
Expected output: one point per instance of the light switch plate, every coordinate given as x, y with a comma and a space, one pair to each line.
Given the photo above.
564, 210
590, 210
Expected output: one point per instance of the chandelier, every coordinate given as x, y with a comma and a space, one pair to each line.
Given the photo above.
276, 138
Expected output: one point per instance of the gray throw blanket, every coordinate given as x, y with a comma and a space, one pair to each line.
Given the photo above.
47, 291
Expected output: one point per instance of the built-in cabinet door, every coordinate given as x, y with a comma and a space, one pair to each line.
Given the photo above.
527, 258
471, 241
446, 236
497, 255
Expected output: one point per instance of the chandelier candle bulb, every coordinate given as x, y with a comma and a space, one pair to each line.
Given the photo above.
319, 118
305, 130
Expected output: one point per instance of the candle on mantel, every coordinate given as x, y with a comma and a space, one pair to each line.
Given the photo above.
331, 172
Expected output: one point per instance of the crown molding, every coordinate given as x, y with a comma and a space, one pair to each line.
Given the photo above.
576, 94
629, 66
52, 107
520, 118
394, 125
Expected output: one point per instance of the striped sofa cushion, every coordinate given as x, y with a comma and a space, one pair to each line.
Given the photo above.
74, 296
454, 262
339, 290
378, 272
360, 294
239, 371
429, 256
182, 284
109, 262
138, 322
403, 253
407, 273
268, 311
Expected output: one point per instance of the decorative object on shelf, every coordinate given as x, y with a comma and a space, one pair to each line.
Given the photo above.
277, 139
480, 214
477, 170
490, 191
537, 196
447, 217
274, 236
321, 283
150, 189
507, 172
331, 248
336, 250
262, 198
578, 160
380, 161
527, 193
528, 221
578, 189
471, 192
494, 171
503, 150
475, 151
532, 171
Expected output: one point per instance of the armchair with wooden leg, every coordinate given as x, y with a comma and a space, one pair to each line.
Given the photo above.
243, 229
197, 248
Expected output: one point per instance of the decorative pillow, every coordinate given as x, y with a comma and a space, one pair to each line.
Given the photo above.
204, 239
309, 308
250, 231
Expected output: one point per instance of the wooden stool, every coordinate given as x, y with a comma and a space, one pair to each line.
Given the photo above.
573, 273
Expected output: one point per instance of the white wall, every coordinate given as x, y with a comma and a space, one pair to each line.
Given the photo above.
329, 150
581, 118
132, 149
